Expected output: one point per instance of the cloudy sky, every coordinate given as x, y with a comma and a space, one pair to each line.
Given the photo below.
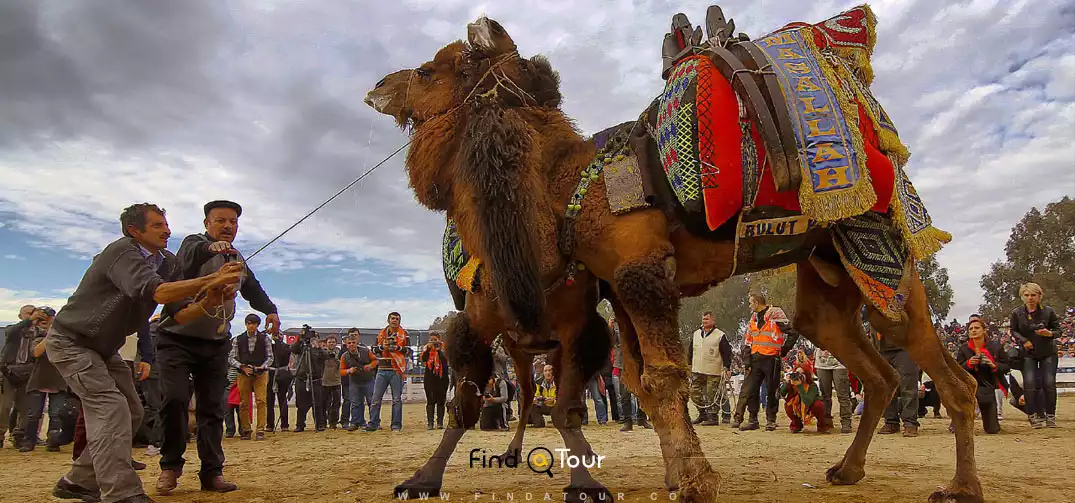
111, 102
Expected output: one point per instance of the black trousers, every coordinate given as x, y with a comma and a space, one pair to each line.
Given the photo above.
987, 404
331, 401
345, 403
152, 430
309, 398
612, 397
763, 368
279, 386
206, 363
436, 389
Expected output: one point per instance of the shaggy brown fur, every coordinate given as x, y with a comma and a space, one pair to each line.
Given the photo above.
646, 257
495, 162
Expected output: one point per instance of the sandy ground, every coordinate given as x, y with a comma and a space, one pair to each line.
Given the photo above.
337, 466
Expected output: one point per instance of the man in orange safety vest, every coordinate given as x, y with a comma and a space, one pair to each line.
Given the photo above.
769, 338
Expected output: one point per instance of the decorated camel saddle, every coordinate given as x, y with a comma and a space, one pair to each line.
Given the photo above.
780, 136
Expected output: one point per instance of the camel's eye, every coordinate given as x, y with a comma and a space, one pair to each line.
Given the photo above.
424, 72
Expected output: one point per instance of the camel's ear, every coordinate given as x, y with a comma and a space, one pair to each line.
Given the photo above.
489, 37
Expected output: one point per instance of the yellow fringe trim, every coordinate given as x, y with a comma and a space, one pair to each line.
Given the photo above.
860, 197
465, 280
889, 141
927, 241
862, 61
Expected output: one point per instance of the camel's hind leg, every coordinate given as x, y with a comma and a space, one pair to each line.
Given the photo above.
829, 317
955, 386
632, 378
642, 281
472, 359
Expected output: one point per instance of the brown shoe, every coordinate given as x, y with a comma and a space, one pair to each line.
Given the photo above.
910, 431
168, 480
260, 436
218, 484
889, 429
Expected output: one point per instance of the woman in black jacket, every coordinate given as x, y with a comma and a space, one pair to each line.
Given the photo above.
1035, 328
987, 362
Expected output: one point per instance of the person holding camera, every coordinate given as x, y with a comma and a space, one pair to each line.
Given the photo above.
1035, 328
116, 296
391, 353
802, 398
987, 362
359, 366
331, 383
279, 383
17, 363
435, 380
544, 398
251, 355
309, 370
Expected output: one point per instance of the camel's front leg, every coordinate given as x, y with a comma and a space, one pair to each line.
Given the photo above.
572, 374
524, 372
472, 360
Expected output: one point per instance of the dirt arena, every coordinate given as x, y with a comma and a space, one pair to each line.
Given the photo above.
337, 466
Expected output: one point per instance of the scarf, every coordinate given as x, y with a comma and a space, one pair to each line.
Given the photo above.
434, 363
984, 351
398, 358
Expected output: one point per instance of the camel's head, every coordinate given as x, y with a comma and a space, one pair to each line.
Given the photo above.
487, 66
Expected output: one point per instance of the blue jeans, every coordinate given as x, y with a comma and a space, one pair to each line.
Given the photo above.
386, 378
1039, 381
598, 402
360, 396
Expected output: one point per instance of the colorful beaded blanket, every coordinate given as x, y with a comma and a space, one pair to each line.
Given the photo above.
459, 266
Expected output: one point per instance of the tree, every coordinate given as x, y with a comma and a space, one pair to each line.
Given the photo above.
938, 290
440, 323
1041, 249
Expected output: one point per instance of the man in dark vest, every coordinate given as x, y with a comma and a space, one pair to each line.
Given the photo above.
122, 287
279, 384
250, 353
200, 350
359, 366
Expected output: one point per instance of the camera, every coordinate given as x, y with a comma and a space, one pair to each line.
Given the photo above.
307, 332
795, 376
1037, 326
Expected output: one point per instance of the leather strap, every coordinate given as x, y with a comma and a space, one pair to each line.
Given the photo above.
737, 75
786, 170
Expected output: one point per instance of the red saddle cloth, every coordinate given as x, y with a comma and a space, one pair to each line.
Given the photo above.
722, 183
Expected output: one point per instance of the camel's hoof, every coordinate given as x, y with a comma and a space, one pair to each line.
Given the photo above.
962, 495
513, 451
704, 490
417, 487
588, 494
671, 481
841, 475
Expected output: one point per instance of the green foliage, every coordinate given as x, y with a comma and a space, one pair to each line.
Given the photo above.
938, 290
1041, 249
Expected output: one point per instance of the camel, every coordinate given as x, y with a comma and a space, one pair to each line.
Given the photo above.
492, 149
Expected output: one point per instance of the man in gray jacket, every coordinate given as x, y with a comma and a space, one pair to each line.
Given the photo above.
118, 293
200, 350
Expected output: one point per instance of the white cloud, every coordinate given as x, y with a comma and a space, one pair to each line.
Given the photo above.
355, 311
266, 109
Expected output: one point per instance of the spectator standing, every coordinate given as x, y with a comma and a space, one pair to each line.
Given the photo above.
392, 343
359, 365
770, 337
832, 374
632, 414
48, 383
330, 383
710, 357
435, 379
16, 364
1035, 327
904, 404
251, 354
279, 385
309, 370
